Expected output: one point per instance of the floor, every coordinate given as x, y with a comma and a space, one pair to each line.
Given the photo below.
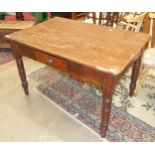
34, 117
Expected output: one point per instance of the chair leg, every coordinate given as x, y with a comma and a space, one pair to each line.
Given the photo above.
142, 77
94, 17
100, 18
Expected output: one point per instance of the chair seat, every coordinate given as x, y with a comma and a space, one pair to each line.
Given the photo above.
149, 57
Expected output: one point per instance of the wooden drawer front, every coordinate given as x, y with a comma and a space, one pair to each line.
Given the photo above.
86, 74
52, 61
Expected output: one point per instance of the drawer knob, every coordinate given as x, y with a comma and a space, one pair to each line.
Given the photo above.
50, 61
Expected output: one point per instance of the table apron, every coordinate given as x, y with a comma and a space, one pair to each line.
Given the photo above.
75, 70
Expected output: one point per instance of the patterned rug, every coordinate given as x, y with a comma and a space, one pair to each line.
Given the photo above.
5, 56
83, 101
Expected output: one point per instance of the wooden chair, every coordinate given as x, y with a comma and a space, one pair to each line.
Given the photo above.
148, 59
132, 22
144, 22
70, 15
102, 18
91, 17
108, 18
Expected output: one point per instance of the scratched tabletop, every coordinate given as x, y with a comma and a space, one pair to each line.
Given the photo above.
103, 48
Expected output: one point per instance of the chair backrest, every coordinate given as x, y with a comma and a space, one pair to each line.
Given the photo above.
132, 22
149, 27
91, 15
108, 18
103, 18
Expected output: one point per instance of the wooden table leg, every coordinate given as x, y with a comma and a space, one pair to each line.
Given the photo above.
22, 74
134, 76
108, 89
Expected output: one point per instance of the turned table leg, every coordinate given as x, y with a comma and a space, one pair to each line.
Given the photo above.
134, 76
108, 89
22, 74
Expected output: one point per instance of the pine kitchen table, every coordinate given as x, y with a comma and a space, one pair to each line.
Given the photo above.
7, 27
88, 52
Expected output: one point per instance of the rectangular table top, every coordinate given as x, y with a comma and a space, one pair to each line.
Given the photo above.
103, 48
